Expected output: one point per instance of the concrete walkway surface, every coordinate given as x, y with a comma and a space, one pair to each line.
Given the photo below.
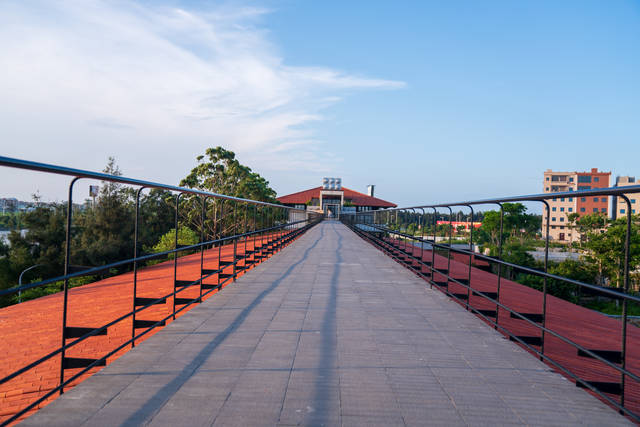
328, 332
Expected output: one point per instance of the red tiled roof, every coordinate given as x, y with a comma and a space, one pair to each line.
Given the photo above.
358, 199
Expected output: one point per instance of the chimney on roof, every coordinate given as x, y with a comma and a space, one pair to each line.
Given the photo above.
594, 170
370, 189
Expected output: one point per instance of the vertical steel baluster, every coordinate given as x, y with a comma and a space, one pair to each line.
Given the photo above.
244, 231
470, 289
235, 238
627, 256
203, 201
220, 232
423, 221
67, 266
448, 275
544, 279
175, 256
499, 264
433, 247
135, 266
254, 238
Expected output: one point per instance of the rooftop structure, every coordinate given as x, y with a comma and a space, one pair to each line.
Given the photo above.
331, 198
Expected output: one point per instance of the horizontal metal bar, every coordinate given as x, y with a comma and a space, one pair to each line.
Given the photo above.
528, 270
609, 191
98, 269
61, 170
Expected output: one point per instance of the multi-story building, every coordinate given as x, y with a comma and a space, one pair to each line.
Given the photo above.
561, 207
619, 208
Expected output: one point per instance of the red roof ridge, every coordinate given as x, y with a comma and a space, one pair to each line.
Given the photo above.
362, 199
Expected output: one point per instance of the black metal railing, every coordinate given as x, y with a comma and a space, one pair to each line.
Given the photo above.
389, 230
267, 227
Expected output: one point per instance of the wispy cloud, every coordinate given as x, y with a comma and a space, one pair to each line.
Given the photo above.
138, 80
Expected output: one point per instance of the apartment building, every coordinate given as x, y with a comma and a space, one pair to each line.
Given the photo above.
619, 208
562, 207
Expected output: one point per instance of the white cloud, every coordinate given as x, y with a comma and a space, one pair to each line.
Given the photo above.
155, 86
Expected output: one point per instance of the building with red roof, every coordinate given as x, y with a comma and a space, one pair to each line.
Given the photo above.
331, 198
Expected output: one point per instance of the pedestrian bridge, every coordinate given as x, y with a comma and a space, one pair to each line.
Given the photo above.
330, 331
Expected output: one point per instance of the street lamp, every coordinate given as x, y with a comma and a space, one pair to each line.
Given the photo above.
20, 280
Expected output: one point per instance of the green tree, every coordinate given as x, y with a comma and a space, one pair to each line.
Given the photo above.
167, 242
572, 220
105, 233
220, 172
606, 249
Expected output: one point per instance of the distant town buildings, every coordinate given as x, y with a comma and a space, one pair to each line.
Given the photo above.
11, 204
619, 208
561, 207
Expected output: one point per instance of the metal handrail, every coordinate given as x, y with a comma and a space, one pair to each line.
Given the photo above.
80, 173
609, 191
280, 232
375, 220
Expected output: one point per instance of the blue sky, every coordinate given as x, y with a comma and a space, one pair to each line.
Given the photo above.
430, 101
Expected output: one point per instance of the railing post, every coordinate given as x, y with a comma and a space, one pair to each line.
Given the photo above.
244, 231
203, 201
627, 256
67, 266
448, 275
135, 266
235, 238
220, 232
499, 264
422, 224
544, 279
175, 256
433, 247
470, 289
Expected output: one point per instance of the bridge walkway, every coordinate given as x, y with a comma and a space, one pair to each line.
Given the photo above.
329, 332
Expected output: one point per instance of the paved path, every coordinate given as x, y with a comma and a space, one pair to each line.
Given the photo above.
328, 332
